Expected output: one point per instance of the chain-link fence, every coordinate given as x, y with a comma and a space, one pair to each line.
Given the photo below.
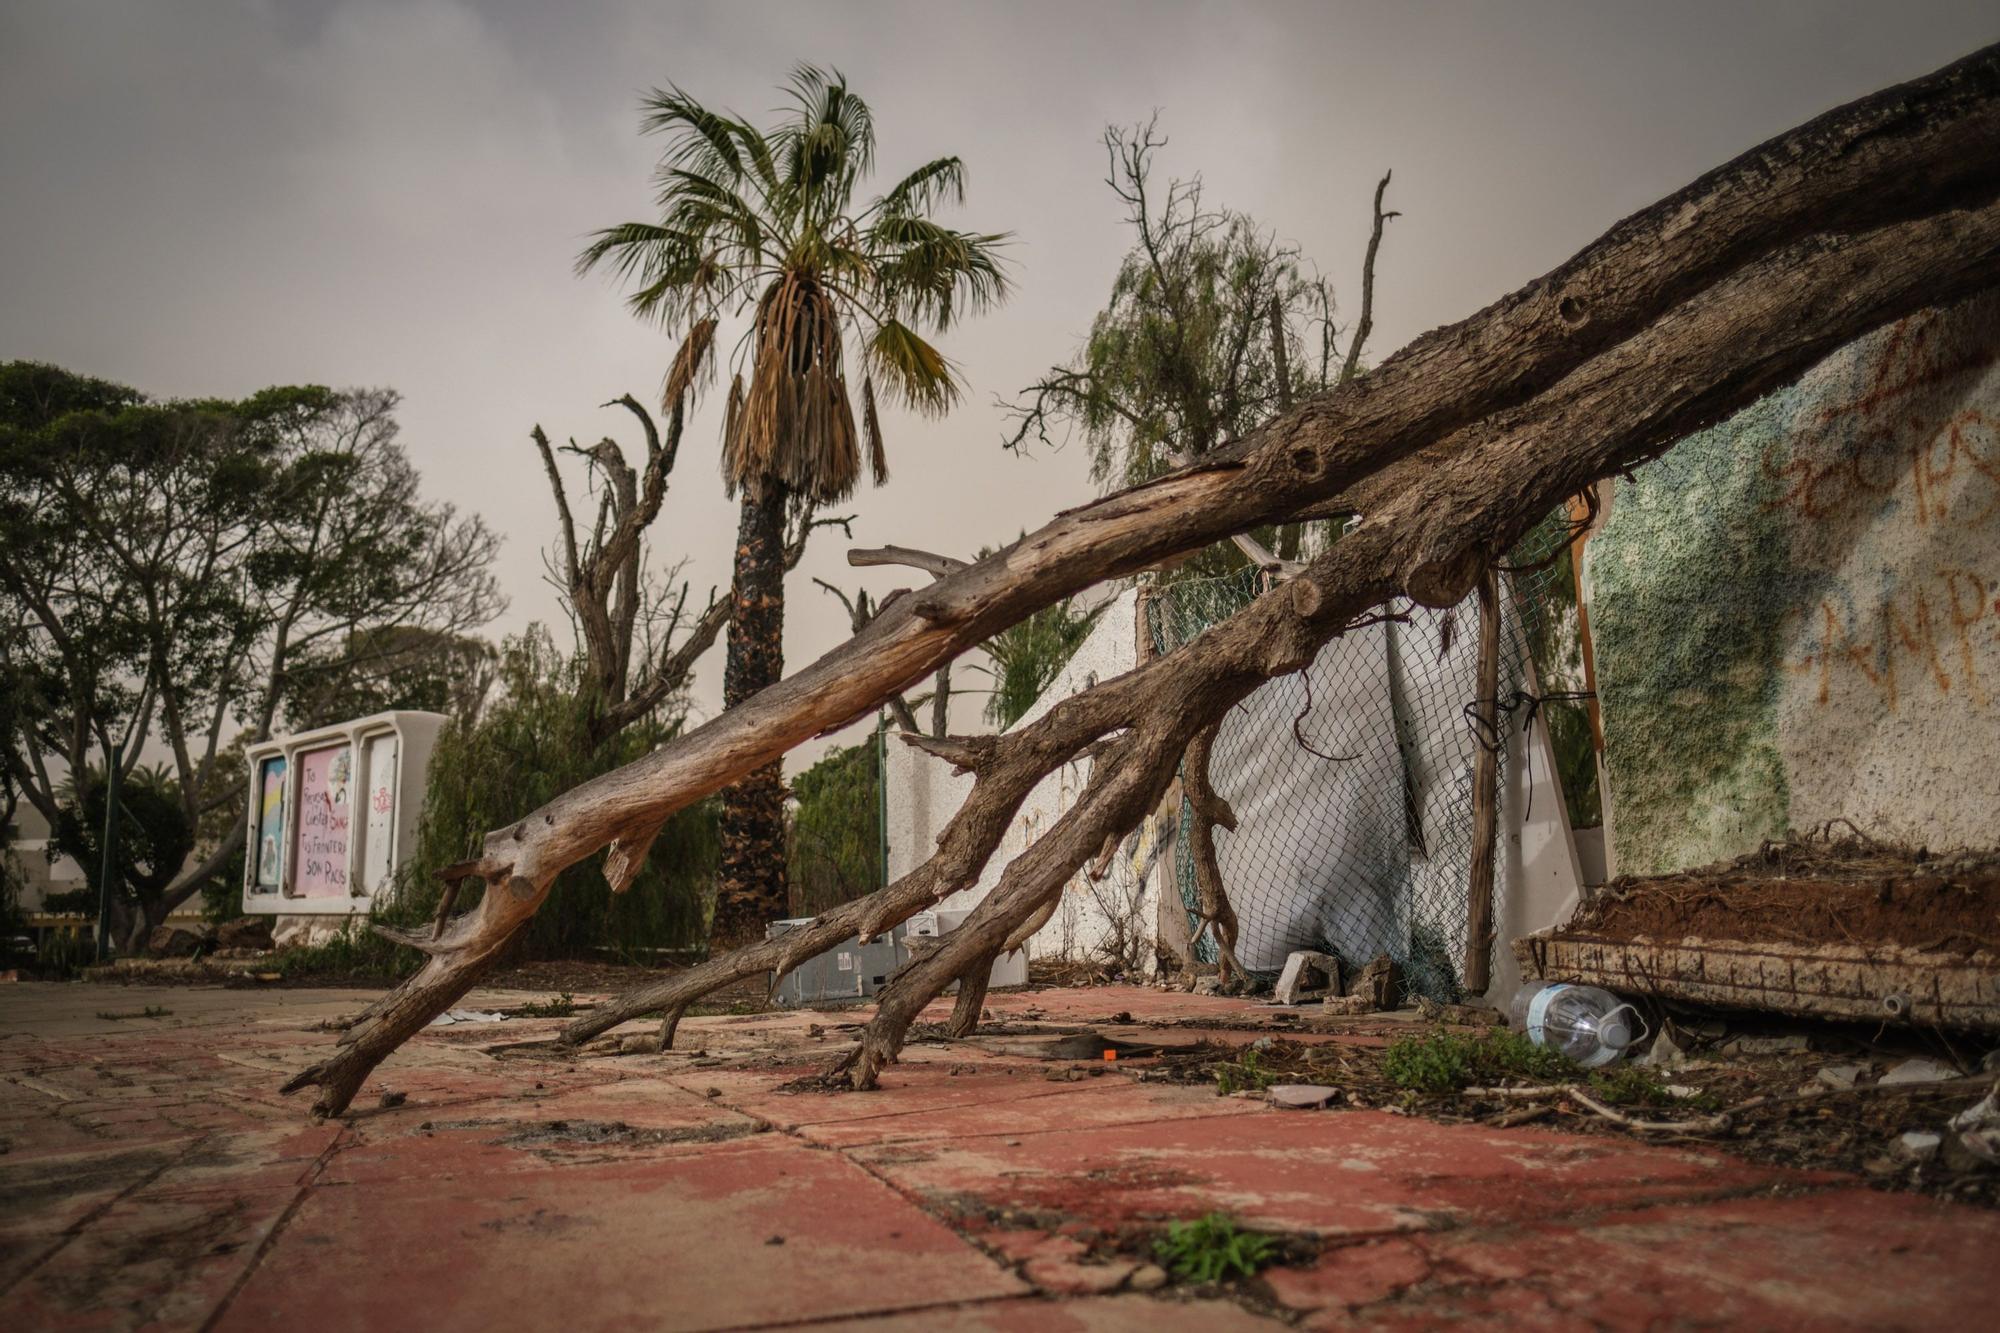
1351, 780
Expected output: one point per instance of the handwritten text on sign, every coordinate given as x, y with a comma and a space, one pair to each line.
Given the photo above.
325, 822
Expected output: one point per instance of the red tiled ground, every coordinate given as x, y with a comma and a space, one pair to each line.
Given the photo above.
152, 1178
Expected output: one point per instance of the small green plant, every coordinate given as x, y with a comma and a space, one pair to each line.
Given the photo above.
1434, 1062
1440, 1062
1512, 1054
1212, 1248
150, 1011
1245, 1075
562, 1006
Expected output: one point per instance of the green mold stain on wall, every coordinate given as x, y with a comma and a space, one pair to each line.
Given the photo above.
1689, 578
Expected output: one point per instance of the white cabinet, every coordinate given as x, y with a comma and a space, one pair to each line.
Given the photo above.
332, 813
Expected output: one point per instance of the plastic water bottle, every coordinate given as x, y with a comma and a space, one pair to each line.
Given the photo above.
1591, 1026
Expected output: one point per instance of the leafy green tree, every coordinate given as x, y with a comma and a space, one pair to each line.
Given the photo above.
532, 743
171, 571
154, 836
836, 842
388, 667
1025, 659
768, 224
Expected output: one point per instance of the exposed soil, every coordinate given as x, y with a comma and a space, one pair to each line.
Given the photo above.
1813, 892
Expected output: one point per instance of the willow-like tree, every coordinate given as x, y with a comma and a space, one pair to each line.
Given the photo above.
767, 224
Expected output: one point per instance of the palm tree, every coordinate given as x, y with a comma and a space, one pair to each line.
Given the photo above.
765, 223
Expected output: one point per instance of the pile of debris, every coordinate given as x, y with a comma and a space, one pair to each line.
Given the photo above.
1835, 929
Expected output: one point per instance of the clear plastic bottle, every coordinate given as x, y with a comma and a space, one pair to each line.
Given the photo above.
1591, 1026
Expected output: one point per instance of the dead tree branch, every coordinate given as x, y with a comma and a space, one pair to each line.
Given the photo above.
1366, 324
937, 566
1210, 812
1678, 316
601, 578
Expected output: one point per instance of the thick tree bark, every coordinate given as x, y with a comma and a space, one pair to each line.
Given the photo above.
1208, 812
750, 890
1681, 314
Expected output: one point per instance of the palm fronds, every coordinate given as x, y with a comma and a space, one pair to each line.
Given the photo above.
763, 222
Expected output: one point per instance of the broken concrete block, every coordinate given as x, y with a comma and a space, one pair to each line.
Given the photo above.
173, 941
1381, 982
249, 932
1919, 1145
1303, 1096
1918, 1069
1665, 1051
1342, 1006
1461, 1015
1308, 975
1982, 1115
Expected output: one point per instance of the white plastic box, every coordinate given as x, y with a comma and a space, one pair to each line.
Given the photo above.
333, 813
1009, 969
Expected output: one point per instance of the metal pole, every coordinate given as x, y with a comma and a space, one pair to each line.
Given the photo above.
114, 761
1485, 794
882, 792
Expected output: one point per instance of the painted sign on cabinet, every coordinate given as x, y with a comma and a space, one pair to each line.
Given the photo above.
270, 826
325, 822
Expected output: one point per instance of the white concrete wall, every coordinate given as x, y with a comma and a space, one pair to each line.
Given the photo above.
924, 794
1796, 613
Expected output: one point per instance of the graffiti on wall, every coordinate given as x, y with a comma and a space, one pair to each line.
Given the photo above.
1801, 607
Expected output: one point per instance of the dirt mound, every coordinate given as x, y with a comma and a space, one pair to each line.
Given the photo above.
1808, 891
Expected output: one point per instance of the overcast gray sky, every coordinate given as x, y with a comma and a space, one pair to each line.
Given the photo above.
206, 198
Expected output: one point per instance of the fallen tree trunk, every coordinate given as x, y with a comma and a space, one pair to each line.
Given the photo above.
1728, 347
1741, 340
1502, 388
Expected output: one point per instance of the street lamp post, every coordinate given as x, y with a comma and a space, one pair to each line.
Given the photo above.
108, 867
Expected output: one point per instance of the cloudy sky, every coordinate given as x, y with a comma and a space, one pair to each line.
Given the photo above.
205, 198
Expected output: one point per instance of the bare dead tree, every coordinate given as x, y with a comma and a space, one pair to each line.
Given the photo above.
602, 574
1678, 316
1366, 323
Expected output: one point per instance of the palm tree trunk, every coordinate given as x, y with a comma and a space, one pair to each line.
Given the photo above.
750, 887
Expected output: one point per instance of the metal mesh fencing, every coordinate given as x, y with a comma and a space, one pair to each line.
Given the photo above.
1351, 780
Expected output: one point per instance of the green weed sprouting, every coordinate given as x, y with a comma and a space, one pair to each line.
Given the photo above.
1246, 1075
562, 1006
1213, 1248
1445, 1062
1441, 1062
